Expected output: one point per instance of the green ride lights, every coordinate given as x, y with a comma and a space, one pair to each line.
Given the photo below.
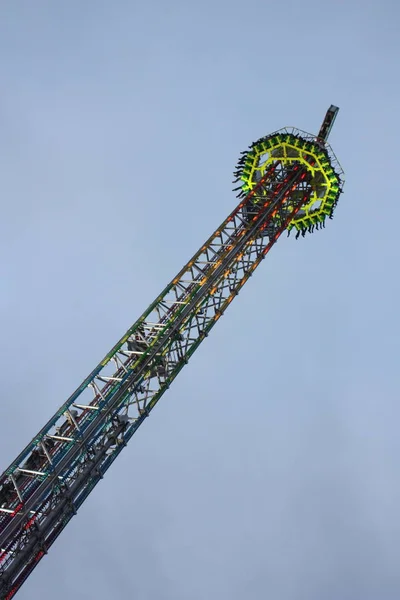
288, 148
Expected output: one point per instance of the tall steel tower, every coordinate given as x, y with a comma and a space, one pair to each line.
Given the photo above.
287, 180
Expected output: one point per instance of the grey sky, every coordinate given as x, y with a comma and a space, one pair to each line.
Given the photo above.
270, 469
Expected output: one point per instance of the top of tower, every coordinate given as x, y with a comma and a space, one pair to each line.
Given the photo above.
327, 123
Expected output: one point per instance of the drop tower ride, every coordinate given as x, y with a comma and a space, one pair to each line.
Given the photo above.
289, 180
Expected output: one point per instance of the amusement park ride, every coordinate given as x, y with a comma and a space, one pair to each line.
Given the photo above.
289, 180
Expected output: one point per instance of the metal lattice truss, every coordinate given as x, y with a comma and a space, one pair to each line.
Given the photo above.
50, 479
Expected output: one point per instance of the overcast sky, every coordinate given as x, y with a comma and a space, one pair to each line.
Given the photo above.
271, 467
